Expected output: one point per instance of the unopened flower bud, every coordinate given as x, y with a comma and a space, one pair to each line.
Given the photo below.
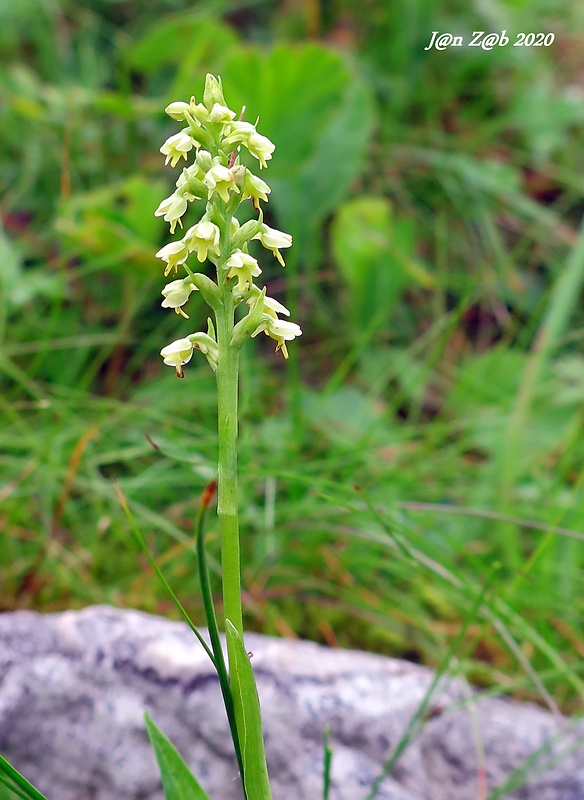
204, 160
213, 92
177, 110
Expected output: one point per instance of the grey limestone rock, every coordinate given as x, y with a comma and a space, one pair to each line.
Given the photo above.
74, 687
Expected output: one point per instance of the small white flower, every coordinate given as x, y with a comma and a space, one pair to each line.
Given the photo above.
273, 239
203, 238
174, 253
244, 267
172, 209
176, 354
177, 147
220, 179
176, 294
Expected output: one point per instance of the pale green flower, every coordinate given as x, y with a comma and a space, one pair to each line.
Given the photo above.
220, 179
177, 147
220, 113
189, 175
177, 110
172, 209
239, 131
174, 253
273, 239
255, 188
280, 330
198, 112
260, 147
203, 238
204, 161
244, 267
176, 293
176, 354
271, 307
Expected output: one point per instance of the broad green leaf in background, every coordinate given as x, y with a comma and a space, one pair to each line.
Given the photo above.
374, 252
319, 113
114, 220
178, 781
248, 715
173, 37
19, 286
189, 44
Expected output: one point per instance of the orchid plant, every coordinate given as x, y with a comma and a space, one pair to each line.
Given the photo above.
215, 137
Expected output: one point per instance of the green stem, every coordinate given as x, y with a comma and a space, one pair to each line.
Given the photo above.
227, 388
227, 395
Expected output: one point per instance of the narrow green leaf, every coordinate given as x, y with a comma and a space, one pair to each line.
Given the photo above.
327, 763
248, 716
17, 783
178, 781
142, 542
211, 618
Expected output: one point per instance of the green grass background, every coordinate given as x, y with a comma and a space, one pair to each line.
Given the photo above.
426, 435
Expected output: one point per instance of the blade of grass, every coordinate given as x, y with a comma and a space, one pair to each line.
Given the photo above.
327, 763
564, 297
536, 764
412, 730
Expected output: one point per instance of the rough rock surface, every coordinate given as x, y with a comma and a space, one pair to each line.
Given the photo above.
74, 686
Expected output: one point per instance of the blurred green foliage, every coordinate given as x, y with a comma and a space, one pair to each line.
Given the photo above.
430, 424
